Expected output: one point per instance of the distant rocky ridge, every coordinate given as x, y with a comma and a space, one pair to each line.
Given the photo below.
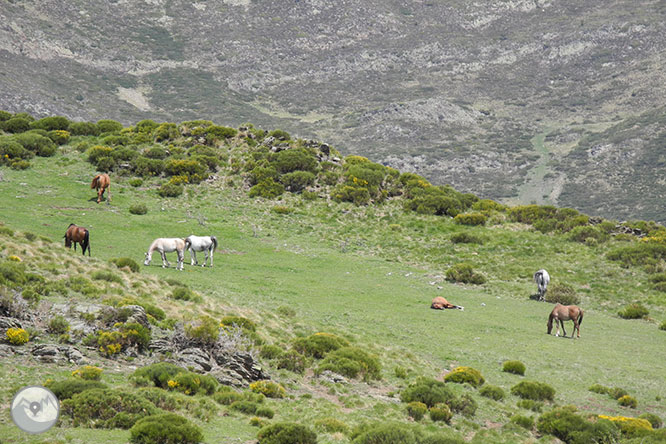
460, 92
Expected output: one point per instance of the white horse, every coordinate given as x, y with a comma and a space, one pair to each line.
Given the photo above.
542, 278
207, 244
167, 245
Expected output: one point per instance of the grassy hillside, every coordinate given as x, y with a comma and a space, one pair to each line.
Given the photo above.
309, 261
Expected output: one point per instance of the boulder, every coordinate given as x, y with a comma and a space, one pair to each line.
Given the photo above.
195, 358
57, 353
6, 323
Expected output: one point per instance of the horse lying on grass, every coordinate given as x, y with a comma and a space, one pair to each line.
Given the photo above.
563, 313
80, 235
439, 303
167, 245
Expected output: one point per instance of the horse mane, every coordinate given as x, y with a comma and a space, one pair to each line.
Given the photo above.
214, 239
93, 184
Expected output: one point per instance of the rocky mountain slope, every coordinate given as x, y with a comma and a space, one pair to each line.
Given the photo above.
522, 101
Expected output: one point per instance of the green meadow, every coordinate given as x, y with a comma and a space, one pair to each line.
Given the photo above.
366, 273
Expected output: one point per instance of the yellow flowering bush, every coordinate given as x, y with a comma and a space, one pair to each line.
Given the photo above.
17, 336
269, 389
629, 426
88, 372
14, 258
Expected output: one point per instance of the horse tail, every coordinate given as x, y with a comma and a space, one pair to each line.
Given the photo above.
86, 240
580, 317
93, 184
188, 243
214, 239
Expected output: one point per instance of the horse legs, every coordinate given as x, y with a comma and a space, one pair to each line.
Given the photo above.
209, 254
193, 257
165, 262
181, 258
564, 332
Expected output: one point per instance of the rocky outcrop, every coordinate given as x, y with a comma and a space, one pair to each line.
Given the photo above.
56, 353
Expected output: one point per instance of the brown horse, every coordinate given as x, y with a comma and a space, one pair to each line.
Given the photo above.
101, 182
77, 234
439, 303
563, 313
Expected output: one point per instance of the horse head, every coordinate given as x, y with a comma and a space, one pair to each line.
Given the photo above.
550, 323
148, 259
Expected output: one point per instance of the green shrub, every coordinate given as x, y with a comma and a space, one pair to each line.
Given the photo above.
492, 392
598, 388
529, 404
319, 345
286, 433
245, 407
441, 412
352, 362
268, 189
239, 321
159, 373
292, 361
563, 294
107, 276
470, 219
270, 351
205, 330
653, 419
357, 194
526, 422
58, 325
463, 272
40, 145
83, 129
617, 392
260, 174
185, 294
432, 200
515, 367
106, 408
227, 398
51, 123
585, 233
417, 410
145, 167
331, 425
215, 132
279, 134
537, 391
126, 262
135, 182
165, 428
662, 326
265, 412
109, 126
170, 190
16, 125
69, 387
138, 209
297, 159
628, 401
428, 391
642, 253
465, 405
11, 150
269, 389
565, 424
467, 375
191, 383
633, 311
466, 238
297, 181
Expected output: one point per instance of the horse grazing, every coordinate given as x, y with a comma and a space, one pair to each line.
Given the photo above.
77, 234
207, 244
563, 313
439, 303
101, 182
542, 278
167, 245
